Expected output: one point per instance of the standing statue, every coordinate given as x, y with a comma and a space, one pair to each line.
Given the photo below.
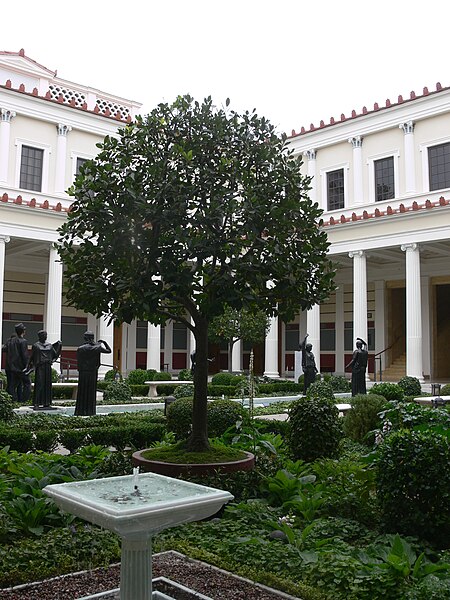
18, 380
43, 354
88, 358
308, 364
359, 365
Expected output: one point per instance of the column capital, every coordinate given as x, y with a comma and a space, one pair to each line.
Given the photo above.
412, 246
310, 154
356, 141
4, 239
63, 129
6, 115
407, 127
357, 253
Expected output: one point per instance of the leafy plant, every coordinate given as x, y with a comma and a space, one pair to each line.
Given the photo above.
117, 392
315, 428
185, 375
7, 414
138, 377
339, 383
410, 386
364, 418
184, 391
322, 390
391, 391
162, 376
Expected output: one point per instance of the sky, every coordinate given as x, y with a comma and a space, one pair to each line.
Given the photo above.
294, 61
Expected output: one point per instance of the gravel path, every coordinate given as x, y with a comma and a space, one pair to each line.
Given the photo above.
210, 581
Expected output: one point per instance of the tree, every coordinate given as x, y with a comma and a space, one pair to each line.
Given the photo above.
233, 325
192, 208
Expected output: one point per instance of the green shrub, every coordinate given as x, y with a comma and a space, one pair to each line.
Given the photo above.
185, 375
166, 389
143, 436
391, 391
410, 386
183, 391
179, 417
7, 413
282, 386
315, 429
162, 376
321, 390
223, 414
103, 384
139, 390
16, 439
340, 384
46, 440
364, 417
111, 375
222, 390
413, 485
62, 393
117, 392
226, 379
140, 376
445, 390
72, 439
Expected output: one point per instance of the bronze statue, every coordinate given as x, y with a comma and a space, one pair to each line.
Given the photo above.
43, 354
18, 380
359, 365
88, 358
308, 364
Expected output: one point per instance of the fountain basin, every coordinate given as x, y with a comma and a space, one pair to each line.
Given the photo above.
162, 502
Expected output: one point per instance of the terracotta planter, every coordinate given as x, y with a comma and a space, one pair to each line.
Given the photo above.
176, 469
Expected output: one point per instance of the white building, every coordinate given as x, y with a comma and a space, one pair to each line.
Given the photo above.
382, 177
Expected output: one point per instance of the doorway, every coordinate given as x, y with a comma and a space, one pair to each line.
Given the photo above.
441, 351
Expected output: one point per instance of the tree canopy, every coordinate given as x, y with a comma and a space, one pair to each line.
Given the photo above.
190, 209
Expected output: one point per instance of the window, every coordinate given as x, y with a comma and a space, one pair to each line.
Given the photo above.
31, 164
327, 337
335, 189
384, 179
439, 166
79, 164
292, 334
179, 338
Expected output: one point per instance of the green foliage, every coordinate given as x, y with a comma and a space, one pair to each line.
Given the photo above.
179, 417
340, 384
185, 375
46, 440
162, 376
183, 391
228, 379
391, 391
413, 485
139, 390
6, 407
445, 390
410, 386
223, 390
72, 439
117, 392
409, 415
315, 429
364, 418
110, 375
223, 414
63, 392
16, 439
140, 376
282, 386
321, 390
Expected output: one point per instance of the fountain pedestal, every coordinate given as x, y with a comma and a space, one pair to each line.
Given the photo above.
136, 515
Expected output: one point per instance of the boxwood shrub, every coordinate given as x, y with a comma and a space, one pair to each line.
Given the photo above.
391, 391
413, 485
162, 376
364, 417
226, 379
140, 376
410, 386
117, 392
139, 390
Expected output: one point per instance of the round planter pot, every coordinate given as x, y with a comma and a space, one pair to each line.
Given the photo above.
176, 469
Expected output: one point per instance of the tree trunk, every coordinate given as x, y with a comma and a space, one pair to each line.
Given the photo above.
198, 440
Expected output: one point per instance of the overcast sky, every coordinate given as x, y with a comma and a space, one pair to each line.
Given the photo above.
295, 61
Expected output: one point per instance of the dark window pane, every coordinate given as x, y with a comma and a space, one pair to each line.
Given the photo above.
439, 166
292, 337
31, 168
335, 189
80, 162
328, 339
179, 339
384, 179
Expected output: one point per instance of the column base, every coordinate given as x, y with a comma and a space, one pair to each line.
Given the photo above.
271, 374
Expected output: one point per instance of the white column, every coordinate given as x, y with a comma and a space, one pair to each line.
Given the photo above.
106, 332
52, 322
414, 341
359, 294
311, 156
313, 328
4, 239
358, 189
410, 164
5, 134
153, 346
426, 334
271, 350
236, 363
339, 331
61, 155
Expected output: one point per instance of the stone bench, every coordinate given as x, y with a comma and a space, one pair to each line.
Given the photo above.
152, 385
